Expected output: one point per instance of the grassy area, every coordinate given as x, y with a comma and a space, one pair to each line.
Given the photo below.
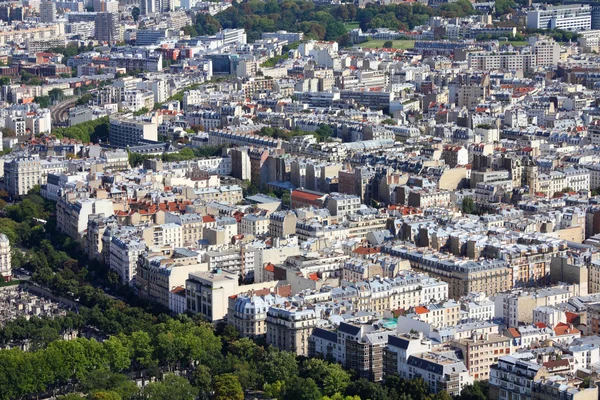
516, 43
351, 25
398, 44
14, 282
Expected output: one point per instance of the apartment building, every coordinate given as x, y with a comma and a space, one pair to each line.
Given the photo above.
72, 216
97, 224
574, 18
462, 276
160, 272
124, 253
191, 226
361, 348
439, 315
5, 261
282, 224
288, 328
513, 376
341, 205
255, 225
129, 132
21, 174
480, 353
248, 312
206, 293
517, 307
229, 194
169, 234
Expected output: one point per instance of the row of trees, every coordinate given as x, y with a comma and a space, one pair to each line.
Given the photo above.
323, 133
187, 153
90, 131
323, 21
211, 366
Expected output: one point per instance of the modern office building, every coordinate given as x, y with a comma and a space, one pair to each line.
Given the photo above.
127, 132
107, 27
47, 11
574, 18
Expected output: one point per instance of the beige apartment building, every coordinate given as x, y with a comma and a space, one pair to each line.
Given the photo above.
480, 353
289, 328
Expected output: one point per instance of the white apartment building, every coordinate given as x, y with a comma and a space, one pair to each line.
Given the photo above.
169, 234
341, 205
207, 293
128, 132
248, 313
574, 18
124, 254
289, 328
577, 178
72, 217
5, 262
135, 100
217, 165
22, 174
410, 356
513, 376
254, 225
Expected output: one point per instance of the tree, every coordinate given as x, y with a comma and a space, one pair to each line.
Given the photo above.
56, 94
303, 389
172, 387
388, 44
324, 132
275, 390
336, 380
228, 387
468, 206
104, 395
135, 13
476, 391
202, 380
279, 366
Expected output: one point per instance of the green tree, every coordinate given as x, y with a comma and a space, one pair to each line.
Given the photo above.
56, 94
117, 353
104, 395
43, 101
468, 206
172, 387
228, 387
303, 389
336, 380
202, 380
275, 390
135, 13
388, 44
476, 391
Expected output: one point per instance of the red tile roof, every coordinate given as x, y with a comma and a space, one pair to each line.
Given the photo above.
270, 267
306, 196
564, 329
421, 310
207, 219
514, 332
571, 317
367, 250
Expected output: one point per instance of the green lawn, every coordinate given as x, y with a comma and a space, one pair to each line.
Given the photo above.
516, 43
352, 25
14, 282
398, 44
